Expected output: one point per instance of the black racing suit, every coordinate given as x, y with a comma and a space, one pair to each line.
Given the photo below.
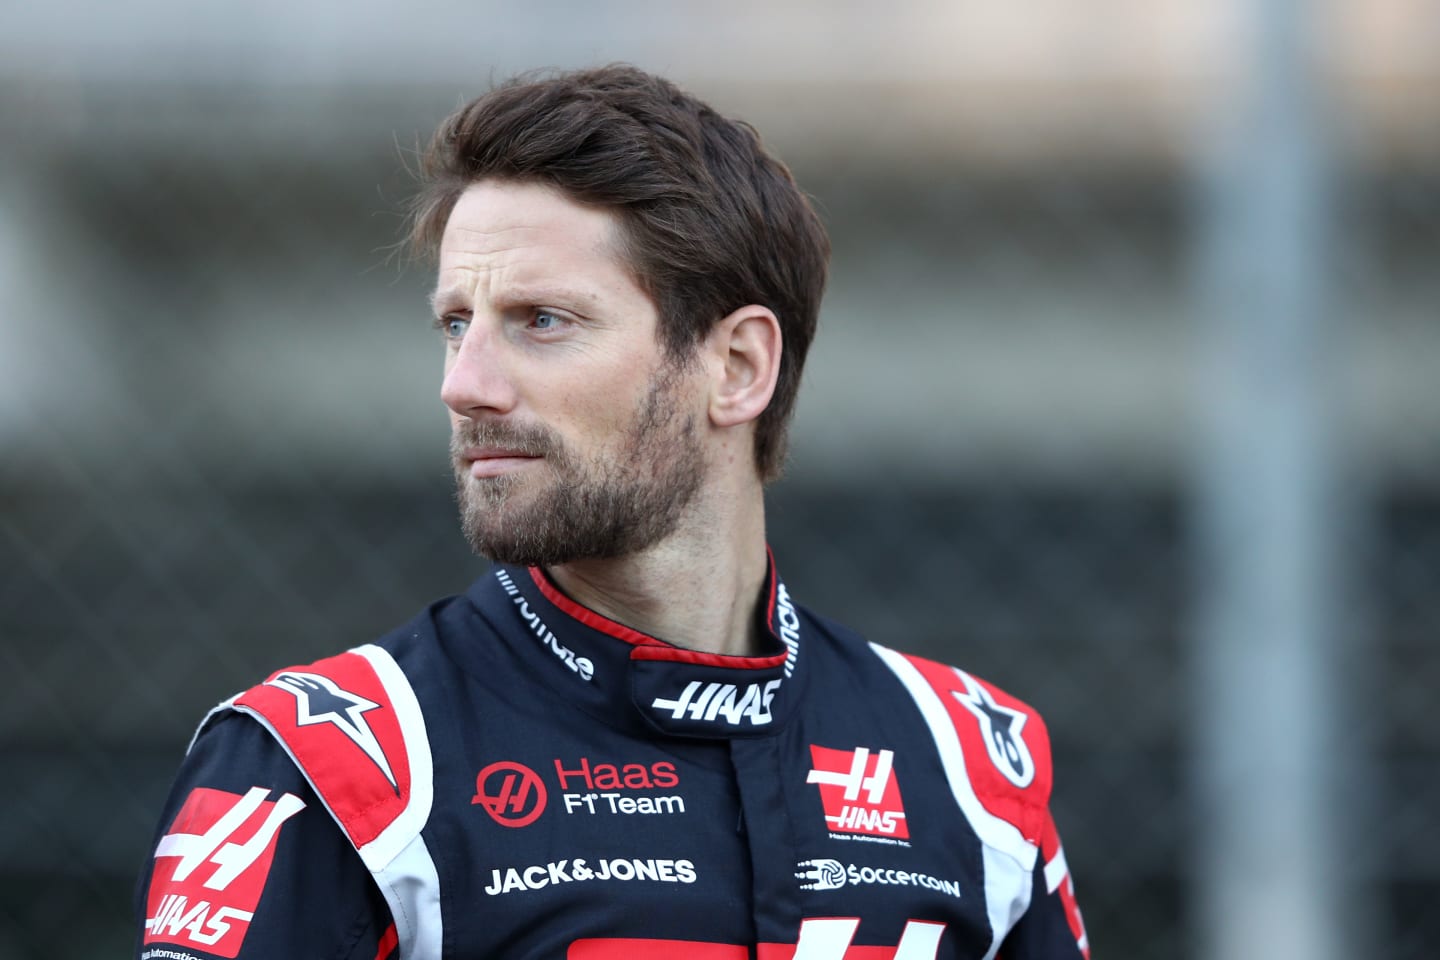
512, 775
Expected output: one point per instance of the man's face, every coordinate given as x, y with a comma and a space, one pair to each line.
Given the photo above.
573, 435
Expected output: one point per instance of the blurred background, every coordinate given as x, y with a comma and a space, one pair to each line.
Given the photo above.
1126, 397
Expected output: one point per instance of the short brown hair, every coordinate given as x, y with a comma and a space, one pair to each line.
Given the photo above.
710, 220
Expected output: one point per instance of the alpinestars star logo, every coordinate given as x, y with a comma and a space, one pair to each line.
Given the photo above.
319, 699
1001, 728
859, 791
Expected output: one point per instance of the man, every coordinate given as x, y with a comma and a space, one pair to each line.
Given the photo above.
626, 740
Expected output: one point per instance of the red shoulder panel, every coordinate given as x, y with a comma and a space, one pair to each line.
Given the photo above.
336, 720
1006, 746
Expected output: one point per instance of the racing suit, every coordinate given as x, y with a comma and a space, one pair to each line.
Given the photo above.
512, 775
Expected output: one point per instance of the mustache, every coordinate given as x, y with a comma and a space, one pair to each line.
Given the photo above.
531, 440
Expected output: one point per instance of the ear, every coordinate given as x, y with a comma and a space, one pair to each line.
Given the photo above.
744, 349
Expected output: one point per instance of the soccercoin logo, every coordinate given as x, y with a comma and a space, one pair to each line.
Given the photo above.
511, 793
823, 874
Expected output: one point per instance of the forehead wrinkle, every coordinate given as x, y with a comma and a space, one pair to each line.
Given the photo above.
539, 292
459, 285
608, 241
495, 231
532, 276
498, 253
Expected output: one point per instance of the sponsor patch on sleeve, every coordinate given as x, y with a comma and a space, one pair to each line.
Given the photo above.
211, 866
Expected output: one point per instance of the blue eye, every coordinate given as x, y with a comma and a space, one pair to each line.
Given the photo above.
453, 327
545, 320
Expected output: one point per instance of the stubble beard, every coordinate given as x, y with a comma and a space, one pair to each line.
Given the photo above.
626, 498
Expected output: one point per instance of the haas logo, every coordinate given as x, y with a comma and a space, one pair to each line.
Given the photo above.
218, 854
859, 791
821, 938
724, 701
512, 793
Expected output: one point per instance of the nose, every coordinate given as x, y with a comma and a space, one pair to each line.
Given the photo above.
477, 378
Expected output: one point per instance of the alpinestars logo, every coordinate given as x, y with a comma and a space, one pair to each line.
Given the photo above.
859, 792
320, 700
1001, 728
219, 851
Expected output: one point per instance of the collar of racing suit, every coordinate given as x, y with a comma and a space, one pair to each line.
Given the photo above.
631, 679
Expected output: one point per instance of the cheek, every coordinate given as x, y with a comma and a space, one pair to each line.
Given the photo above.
600, 412
601, 415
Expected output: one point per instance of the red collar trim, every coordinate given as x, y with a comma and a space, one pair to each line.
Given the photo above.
589, 617
650, 648
681, 655
774, 579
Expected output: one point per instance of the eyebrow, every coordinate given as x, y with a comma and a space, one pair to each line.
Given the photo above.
445, 298
452, 298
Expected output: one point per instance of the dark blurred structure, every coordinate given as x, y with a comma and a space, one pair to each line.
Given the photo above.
221, 451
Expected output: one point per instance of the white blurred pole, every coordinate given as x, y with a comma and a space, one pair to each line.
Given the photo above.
1271, 875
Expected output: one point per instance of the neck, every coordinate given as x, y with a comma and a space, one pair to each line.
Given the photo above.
698, 588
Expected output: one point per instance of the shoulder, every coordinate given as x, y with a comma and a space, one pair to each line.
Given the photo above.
242, 842
230, 749
353, 727
360, 699
235, 771
352, 724
994, 747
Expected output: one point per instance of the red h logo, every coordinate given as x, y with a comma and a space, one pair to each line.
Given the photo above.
506, 791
